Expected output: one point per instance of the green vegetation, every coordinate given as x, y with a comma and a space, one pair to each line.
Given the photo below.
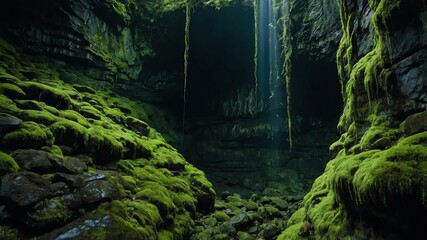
376, 162
7, 164
158, 192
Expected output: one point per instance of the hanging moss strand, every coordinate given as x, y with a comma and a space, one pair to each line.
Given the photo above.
256, 54
186, 51
287, 64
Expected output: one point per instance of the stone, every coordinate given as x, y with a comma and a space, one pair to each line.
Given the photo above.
24, 188
228, 229
8, 123
415, 123
73, 181
68, 164
93, 192
80, 228
279, 203
33, 160
268, 212
221, 216
253, 230
94, 176
88, 160
60, 188
381, 144
251, 206
210, 222
48, 214
225, 194
239, 220
271, 231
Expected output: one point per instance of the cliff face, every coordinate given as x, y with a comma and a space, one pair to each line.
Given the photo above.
375, 187
98, 37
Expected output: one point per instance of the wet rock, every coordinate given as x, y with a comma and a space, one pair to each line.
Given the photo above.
279, 203
94, 176
60, 188
225, 194
239, 220
48, 213
93, 192
8, 123
68, 164
253, 230
228, 229
33, 160
81, 228
73, 181
415, 123
85, 159
319, 29
381, 144
271, 231
24, 188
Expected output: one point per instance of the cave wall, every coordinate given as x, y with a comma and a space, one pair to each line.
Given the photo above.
375, 185
230, 139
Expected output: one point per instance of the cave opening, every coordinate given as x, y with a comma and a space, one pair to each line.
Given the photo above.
224, 136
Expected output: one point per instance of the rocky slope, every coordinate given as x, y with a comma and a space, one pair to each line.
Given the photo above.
76, 163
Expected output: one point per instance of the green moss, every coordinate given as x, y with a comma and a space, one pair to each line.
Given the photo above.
9, 233
7, 164
102, 143
29, 135
38, 116
69, 133
133, 219
50, 95
7, 105
88, 111
11, 90
49, 212
74, 116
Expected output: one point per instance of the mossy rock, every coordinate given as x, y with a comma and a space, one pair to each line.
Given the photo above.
29, 135
50, 95
47, 213
7, 164
69, 133
11, 90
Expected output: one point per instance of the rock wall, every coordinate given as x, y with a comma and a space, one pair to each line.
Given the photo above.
100, 38
375, 186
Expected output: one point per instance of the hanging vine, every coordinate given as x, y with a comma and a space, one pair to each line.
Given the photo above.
287, 64
256, 53
186, 51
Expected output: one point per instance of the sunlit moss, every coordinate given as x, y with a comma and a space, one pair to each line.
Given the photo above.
7, 164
